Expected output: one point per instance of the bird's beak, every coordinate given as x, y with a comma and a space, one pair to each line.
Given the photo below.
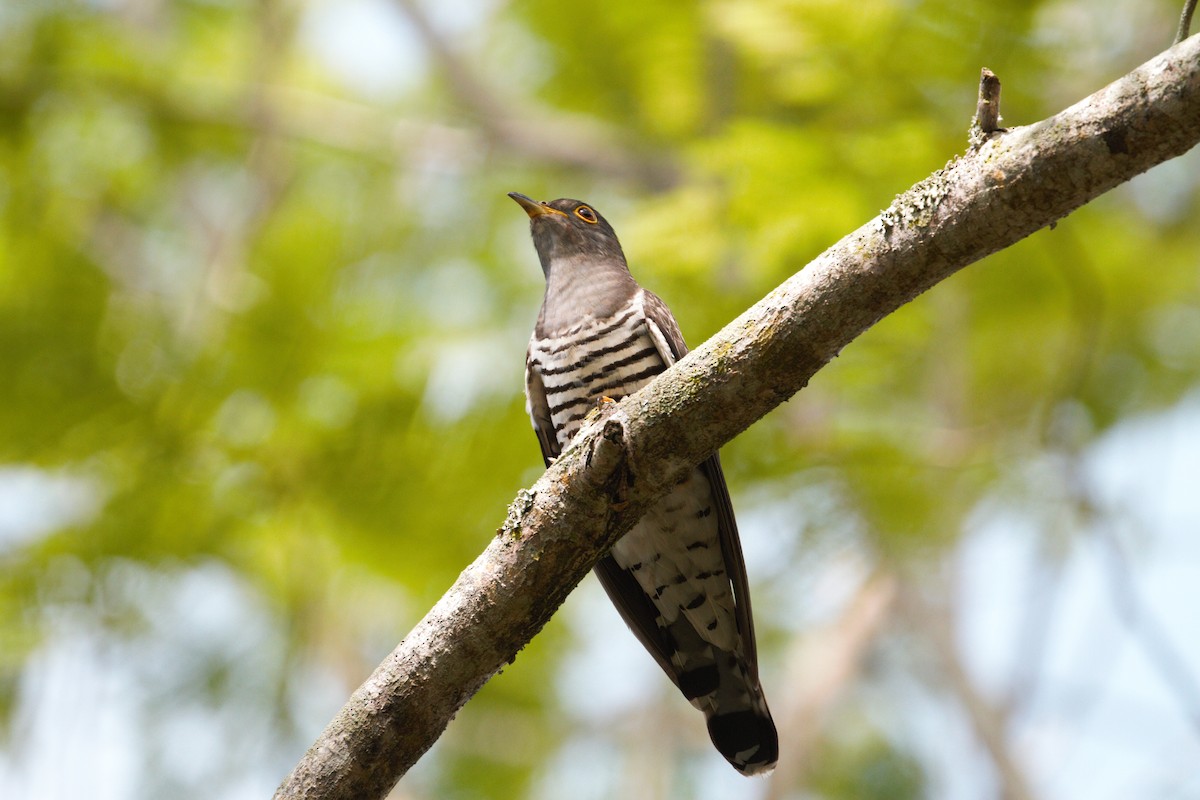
532, 207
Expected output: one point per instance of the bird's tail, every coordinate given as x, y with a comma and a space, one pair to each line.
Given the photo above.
724, 685
739, 722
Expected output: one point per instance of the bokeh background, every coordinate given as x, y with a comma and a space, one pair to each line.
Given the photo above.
263, 310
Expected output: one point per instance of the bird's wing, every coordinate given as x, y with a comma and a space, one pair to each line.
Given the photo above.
668, 340
638, 612
539, 411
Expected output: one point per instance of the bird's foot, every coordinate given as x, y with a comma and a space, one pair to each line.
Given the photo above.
604, 406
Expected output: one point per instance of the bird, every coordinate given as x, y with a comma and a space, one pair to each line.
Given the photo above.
678, 577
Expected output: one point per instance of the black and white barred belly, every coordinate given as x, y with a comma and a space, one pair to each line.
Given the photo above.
611, 357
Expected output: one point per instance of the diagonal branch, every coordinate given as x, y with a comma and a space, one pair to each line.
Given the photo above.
1013, 185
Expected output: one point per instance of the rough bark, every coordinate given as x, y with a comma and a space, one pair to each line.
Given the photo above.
1013, 185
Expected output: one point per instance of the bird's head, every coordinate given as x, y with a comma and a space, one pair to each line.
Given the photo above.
570, 231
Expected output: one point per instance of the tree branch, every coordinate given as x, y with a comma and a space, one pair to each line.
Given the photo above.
1012, 186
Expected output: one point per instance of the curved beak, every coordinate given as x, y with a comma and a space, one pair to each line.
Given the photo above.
532, 207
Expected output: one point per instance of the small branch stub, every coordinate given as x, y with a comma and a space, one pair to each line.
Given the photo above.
1185, 21
987, 111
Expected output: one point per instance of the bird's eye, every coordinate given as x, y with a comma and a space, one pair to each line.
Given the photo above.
586, 214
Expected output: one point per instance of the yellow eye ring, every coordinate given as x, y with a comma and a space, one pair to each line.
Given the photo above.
586, 214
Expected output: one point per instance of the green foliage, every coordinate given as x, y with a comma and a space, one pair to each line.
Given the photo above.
283, 340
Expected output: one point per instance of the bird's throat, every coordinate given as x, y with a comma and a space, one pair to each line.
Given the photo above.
580, 287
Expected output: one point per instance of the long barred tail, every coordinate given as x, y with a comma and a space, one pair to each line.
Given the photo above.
739, 722
722, 685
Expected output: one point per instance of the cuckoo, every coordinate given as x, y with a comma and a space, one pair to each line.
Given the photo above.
678, 577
